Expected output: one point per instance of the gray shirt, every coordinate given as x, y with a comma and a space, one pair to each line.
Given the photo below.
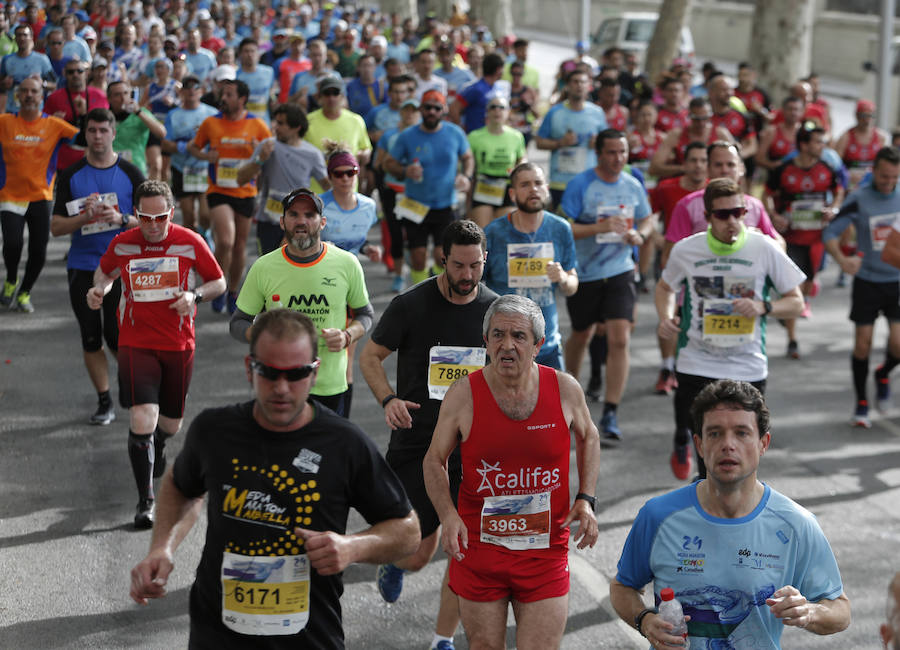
286, 169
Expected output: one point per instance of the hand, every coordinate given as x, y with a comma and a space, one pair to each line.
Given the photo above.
588, 531
828, 213
452, 531
633, 237
462, 183
149, 577
374, 252
396, 413
669, 328
91, 205
850, 265
268, 146
107, 214
328, 552
569, 139
184, 305
791, 607
131, 107
748, 307
335, 339
80, 105
555, 272
414, 171
95, 297
168, 100
616, 224
659, 632
780, 222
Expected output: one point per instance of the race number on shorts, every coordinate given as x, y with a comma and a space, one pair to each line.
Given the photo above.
571, 160
410, 209
489, 190
265, 596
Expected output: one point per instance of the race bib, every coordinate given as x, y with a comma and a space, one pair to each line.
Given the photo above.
880, 226
447, 363
227, 172
16, 207
410, 209
528, 264
607, 211
489, 190
723, 328
258, 108
76, 207
571, 160
265, 596
153, 278
517, 522
126, 154
196, 178
807, 214
273, 208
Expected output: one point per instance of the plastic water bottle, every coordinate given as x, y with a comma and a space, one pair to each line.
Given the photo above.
670, 611
416, 162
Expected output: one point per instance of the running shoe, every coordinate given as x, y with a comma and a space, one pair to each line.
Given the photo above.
218, 304
681, 462
103, 415
398, 284
444, 644
882, 390
609, 426
390, 582
232, 302
593, 388
143, 515
793, 351
814, 289
841, 281
9, 292
23, 303
666, 382
861, 416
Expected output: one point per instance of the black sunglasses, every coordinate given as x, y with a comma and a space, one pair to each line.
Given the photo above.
331, 92
291, 374
432, 107
726, 213
345, 173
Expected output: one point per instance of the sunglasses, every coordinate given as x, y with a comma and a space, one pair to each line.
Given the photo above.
273, 373
150, 218
497, 106
726, 213
700, 118
76, 71
331, 92
345, 173
432, 107
55, 42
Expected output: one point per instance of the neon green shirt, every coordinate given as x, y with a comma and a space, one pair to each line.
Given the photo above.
321, 289
496, 154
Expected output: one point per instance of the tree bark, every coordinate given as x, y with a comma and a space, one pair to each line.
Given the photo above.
497, 16
781, 44
442, 8
663, 47
405, 8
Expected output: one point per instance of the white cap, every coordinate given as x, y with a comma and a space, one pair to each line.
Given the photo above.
224, 72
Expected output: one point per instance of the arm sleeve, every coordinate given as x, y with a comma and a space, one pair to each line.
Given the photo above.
365, 316
239, 324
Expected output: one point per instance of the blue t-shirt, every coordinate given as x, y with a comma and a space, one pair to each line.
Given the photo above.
438, 152
873, 214
362, 98
457, 78
260, 83
347, 229
567, 162
382, 118
19, 67
553, 229
585, 194
307, 81
399, 52
201, 63
475, 99
181, 126
80, 180
387, 140
722, 570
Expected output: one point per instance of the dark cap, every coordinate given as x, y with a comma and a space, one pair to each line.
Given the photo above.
303, 193
331, 82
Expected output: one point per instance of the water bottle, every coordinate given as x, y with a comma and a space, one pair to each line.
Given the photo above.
670, 611
416, 162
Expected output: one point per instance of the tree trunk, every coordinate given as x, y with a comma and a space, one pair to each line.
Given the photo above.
663, 47
405, 8
443, 9
781, 44
496, 15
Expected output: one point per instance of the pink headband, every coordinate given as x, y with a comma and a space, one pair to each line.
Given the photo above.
342, 159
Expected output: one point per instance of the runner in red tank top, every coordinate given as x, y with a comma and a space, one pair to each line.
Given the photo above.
509, 540
672, 114
778, 140
608, 93
858, 145
669, 158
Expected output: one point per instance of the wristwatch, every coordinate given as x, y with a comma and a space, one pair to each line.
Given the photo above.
587, 497
198, 297
767, 306
387, 399
124, 220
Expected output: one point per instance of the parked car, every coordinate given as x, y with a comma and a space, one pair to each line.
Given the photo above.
632, 32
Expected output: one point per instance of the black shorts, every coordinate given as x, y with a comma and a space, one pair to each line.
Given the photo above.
434, 224
155, 377
872, 298
178, 185
154, 141
407, 465
245, 207
808, 258
95, 325
598, 301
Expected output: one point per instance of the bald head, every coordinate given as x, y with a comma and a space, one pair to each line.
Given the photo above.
802, 90
890, 629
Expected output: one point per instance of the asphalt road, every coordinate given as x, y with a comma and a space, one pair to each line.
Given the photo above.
67, 496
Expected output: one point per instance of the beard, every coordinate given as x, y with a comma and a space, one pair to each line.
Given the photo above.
462, 289
530, 206
305, 241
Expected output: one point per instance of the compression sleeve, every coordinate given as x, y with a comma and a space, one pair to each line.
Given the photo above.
364, 315
239, 324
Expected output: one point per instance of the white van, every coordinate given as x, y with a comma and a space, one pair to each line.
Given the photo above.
631, 32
